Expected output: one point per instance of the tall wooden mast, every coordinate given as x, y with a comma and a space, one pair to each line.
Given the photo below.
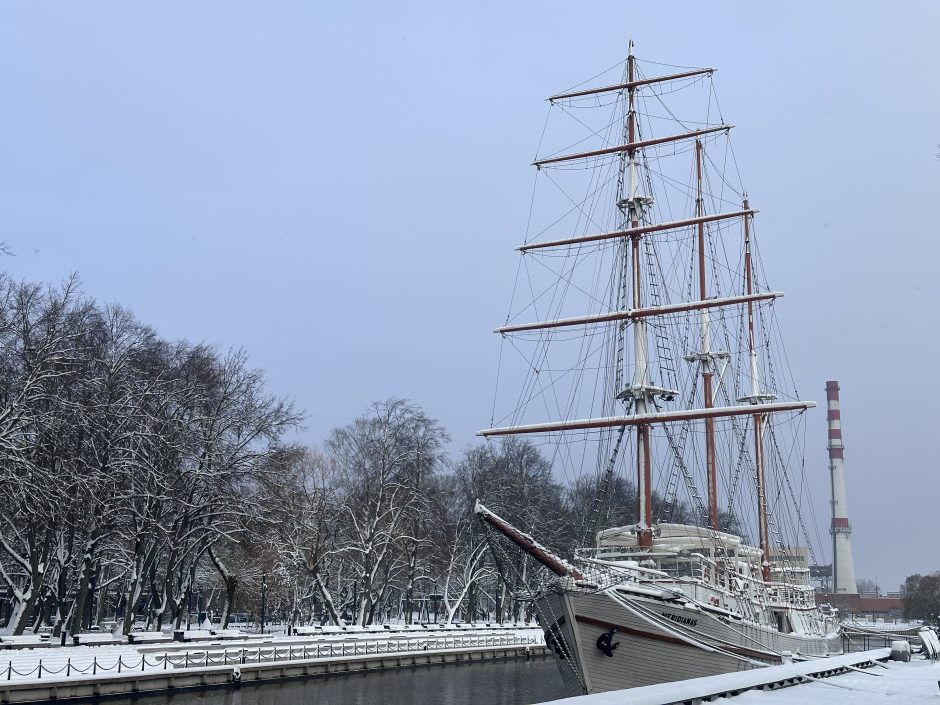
755, 398
629, 311
705, 354
640, 393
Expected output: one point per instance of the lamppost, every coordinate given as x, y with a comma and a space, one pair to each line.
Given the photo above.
355, 602
93, 589
192, 582
264, 588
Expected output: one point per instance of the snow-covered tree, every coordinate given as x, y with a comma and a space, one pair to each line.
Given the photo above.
380, 462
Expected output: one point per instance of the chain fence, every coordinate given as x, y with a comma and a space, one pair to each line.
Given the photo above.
206, 657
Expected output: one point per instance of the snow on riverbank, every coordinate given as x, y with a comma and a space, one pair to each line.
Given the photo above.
62, 662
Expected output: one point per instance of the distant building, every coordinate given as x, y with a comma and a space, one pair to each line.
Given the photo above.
866, 606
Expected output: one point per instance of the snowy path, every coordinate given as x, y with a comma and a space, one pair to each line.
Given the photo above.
913, 683
61, 663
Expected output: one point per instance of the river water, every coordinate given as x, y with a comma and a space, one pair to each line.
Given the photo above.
513, 682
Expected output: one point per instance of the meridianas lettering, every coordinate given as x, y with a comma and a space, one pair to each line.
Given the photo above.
678, 619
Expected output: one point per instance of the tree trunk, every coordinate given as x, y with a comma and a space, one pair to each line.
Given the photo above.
328, 603
231, 584
19, 617
81, 599
409, 590
135, 584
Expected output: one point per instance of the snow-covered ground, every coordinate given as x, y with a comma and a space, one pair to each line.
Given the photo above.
56, 662
912, 683
903, 683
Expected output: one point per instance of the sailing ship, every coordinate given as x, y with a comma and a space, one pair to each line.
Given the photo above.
670, 379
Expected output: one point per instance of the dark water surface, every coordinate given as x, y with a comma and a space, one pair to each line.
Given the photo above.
514, 682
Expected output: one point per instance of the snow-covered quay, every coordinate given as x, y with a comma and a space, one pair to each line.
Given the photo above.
910, 683
89, 671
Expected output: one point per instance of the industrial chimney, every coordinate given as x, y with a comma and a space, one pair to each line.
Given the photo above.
843, 570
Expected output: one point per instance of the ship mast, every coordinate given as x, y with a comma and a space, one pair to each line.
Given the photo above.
705, 354
640, 412
640, 387
600, 504
756, 397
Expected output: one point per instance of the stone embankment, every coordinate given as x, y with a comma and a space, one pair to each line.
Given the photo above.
61, 673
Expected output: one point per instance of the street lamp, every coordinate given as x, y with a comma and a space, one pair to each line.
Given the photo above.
93, 588
192, 582
264, 587
355, 602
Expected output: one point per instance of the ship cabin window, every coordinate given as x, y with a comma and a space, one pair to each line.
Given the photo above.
669, 565
680, 567
783, 622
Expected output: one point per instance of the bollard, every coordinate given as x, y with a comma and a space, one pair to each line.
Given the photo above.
94, 665
68, 667
119, 664
40, 669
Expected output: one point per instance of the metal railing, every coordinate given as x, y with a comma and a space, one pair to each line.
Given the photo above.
205, 657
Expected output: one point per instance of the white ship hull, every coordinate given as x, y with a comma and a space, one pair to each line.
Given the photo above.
659, 641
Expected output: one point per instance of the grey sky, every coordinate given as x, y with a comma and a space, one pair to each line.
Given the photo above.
338, 187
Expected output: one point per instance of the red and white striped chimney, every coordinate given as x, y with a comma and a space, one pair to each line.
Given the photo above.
843, 569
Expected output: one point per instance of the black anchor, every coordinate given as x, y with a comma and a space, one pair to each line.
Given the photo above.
604, 642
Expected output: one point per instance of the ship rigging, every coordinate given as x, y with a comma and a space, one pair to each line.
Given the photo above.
652, 265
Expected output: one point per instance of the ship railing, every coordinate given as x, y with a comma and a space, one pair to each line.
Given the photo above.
602, 572
724, 580
616, 561
717, 578
776, 593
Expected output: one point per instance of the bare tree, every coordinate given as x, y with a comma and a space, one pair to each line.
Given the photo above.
461, 553
378, 460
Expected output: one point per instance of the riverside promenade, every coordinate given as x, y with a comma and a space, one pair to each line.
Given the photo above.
63, 673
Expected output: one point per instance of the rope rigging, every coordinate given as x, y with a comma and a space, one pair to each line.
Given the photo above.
596, 362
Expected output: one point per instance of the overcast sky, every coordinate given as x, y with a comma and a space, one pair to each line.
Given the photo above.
338, 188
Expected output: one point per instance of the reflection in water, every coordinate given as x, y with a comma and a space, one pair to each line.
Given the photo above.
516, 682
